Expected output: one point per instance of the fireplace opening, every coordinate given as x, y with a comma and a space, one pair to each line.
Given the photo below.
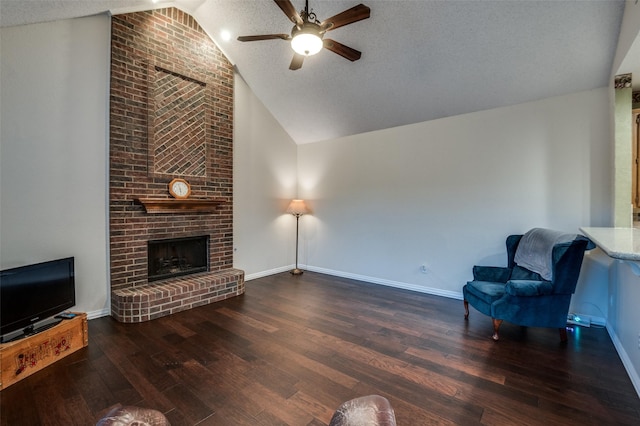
177, 256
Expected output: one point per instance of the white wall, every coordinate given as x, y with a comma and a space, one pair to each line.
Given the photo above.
446, 193
54, 80
264, 170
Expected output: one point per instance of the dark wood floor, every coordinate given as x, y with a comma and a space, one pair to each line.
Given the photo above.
292, 349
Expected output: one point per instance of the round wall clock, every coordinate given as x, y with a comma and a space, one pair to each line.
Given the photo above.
179, 188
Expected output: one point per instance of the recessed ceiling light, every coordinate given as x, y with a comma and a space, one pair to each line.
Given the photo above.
226, 35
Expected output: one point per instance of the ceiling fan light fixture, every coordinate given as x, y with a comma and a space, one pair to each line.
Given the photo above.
307, 34
307, 40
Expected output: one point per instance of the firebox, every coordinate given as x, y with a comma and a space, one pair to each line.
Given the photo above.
177, 256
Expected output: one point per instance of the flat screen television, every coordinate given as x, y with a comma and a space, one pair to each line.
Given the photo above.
34, 293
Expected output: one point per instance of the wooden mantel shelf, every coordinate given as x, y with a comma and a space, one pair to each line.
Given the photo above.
173, 205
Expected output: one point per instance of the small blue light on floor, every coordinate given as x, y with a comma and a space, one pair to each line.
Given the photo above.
575, 331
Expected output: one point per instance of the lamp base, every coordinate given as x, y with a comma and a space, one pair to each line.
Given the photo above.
296, 271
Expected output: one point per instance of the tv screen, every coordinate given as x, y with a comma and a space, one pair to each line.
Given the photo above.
33, 293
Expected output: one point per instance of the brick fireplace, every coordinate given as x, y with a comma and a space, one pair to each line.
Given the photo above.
171, 115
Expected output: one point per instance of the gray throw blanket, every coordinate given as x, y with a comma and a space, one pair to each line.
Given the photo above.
535, 250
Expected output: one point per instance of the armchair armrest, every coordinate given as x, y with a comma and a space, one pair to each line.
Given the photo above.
528, 288
491, 274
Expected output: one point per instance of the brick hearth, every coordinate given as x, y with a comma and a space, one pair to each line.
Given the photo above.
171, 115
138, 304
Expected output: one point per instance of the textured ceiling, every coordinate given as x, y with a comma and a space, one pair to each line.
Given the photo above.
421, 60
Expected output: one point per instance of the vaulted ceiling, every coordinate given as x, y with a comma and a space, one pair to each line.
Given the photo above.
421, 60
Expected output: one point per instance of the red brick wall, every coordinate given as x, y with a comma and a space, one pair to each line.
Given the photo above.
145, 47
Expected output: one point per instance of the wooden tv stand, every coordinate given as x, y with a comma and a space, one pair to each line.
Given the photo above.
22, 358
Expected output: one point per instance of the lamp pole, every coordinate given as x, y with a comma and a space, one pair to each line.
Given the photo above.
297, 208
297, 271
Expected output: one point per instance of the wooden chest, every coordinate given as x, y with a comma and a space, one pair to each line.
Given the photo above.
24, 357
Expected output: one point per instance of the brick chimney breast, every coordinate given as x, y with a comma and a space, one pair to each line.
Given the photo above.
171, 115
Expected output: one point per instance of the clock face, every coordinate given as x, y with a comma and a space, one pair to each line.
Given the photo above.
179, 188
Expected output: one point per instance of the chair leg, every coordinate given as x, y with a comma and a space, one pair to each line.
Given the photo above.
563, 334
496, 325
466, 310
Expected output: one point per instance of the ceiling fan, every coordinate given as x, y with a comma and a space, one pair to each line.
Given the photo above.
307, 34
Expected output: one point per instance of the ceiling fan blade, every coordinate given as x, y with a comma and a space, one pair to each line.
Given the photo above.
341, 49
296, 62
290, 11
349, 16
264, 37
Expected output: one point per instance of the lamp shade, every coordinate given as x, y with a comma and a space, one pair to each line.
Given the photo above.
297, 208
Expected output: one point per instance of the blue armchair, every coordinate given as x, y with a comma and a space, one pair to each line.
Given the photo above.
535, 288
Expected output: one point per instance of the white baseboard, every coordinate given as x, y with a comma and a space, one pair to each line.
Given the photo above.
262, 274
389, 283
98, 314
365, 278
626, 361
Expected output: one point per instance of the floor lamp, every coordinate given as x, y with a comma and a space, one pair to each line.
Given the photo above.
297, 208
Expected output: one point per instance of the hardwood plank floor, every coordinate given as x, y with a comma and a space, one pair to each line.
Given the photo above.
292, 349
